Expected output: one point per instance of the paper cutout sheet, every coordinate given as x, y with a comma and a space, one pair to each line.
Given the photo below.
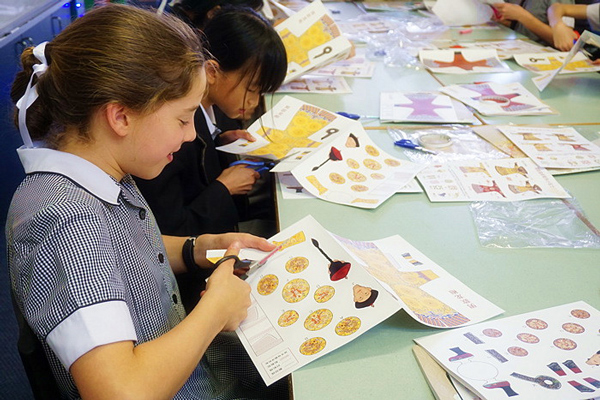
554, 147
543, 80
507, 48
509, 179
425, 290
355, 67
352, 170
422, 107
545, 62
307, 300
465, 61
316, 84
462, 12
291, 128
372, 25
498, 99
550, 354
312, 40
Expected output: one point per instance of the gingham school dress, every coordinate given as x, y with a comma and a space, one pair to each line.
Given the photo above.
88, 267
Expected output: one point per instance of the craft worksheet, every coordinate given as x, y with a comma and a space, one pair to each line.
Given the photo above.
425, 290
498, 99
422, 107
350, 169
355, 67
550, 354
464, 61
309, 299
554, 147
508, 48
508, 179
291, 129
544, 62
316, 84
312, 40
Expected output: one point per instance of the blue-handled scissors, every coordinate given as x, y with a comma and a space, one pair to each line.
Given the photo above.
258, 166
409, 144
355, 116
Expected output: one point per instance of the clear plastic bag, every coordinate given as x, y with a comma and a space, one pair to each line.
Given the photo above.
534, 223
463, 144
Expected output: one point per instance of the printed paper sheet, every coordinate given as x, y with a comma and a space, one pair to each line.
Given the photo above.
545, 62
509, 179
316, 84
422, 107
551, 354
554, 147
355, 67
465, 61
507, 48
498, 99
312, 40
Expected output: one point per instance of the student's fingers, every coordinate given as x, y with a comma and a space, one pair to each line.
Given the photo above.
231, 136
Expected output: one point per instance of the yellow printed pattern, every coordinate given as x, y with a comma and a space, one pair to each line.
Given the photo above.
306, 121
555, 64
297, 48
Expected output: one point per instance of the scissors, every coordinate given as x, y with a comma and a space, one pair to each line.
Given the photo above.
355, 117
409, 144
255, 265
258, 166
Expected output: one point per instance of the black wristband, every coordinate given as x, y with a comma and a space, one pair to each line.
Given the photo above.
187, 253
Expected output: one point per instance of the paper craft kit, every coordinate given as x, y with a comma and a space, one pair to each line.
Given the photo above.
544, 62
463, 61
498, 99
509, 179
422, 107
312, 40
319, 292
554, 147
355, 67
316, 84
508, 48
551, 354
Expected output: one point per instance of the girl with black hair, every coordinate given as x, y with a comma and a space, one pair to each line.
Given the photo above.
199, 192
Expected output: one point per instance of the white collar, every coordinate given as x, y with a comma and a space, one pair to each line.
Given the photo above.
81, 171
209, 117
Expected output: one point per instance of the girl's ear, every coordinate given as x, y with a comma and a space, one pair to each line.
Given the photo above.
119, 118
212, 70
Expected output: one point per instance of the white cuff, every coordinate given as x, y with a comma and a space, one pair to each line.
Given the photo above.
90, 327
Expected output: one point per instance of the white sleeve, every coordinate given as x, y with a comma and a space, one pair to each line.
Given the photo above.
90, 327
593, 16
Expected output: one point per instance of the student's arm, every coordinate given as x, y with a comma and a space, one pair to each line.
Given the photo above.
158, 369
514, 12
563, 36
174, 245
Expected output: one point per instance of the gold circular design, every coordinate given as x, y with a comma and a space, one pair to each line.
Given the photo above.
565, 344
347, 326
296, 264
324, 293
528, 338
352, 163
337, 178
318, 319
295, 290
288, 318
377, 176
356, 176
372, 151
574, 328
536, 323
391, 162
267, 284
371, 164
581, 314
359, 188
312, 346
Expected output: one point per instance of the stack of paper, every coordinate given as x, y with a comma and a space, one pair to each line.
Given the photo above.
464, 61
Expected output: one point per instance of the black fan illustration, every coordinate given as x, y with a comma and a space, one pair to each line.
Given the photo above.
337, 269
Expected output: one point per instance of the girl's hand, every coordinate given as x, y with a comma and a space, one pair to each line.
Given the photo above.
225, 241
563, 37
512, 12
238, 179
228, 293
231, 136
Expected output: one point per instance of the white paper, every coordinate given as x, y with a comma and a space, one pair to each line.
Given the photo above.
546, 62
498, 99
422, 107
549, 354
465, 61
316, 84
462, 12
312, 40
508, 48
554, 147
509, 179
355, 67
